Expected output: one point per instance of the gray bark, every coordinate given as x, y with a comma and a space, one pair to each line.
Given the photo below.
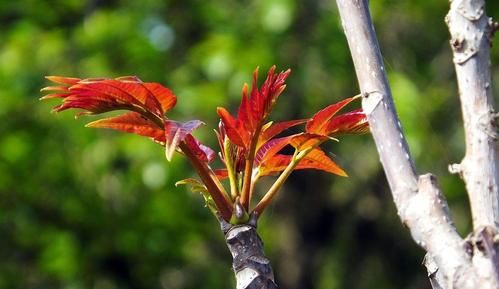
451, 261
251, 267
471, 30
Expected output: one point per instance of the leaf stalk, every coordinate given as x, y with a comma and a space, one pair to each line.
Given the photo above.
234, 189
248, 169
274, 189
208, 177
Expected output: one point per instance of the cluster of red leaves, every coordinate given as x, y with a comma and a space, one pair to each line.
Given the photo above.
250, 146
146, 102
258, 148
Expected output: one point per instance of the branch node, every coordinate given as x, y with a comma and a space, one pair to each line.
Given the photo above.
371, 100
427, 179
456, 169
484, 240
468, 246
428, 183
471, 10
463, 48
487, 124
493, 26
457, 43
463, 20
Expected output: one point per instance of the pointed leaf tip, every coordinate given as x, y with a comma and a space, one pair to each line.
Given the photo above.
131, 122
169, 154
131, 78
320, 122
62, 79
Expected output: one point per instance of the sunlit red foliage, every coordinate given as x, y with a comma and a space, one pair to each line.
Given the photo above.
254, 108
147, 101
250, 146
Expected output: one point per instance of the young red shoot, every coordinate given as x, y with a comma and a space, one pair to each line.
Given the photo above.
250, 146
147, 104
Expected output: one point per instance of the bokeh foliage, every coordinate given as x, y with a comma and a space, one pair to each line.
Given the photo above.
83, 208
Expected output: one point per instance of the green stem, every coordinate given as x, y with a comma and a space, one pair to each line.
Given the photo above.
234, 188
254, 180
274, 189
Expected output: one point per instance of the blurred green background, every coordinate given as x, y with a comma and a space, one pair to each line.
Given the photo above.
84, 208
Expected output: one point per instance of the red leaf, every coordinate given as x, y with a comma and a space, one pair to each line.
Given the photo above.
233, 128
276, 128
317, 159
128, 94
132, 122
164, 95
176, 132
235, 153
63, 80
221, 174
306, 140
93, 104
354, 122
274, 165
319, 122
271, 148
245, 112
201, 151
100, 95
253, 110
262, 101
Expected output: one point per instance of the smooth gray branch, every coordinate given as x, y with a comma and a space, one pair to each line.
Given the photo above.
419, 202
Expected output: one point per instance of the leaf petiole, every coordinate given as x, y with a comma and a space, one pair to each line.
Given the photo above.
298, 156
234, 188
248, 169
208, 177
274, 189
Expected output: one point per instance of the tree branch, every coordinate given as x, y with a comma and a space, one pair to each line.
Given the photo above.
251, 267
471, 30
419, 202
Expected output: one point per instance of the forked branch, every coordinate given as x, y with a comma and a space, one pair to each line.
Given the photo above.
419, 202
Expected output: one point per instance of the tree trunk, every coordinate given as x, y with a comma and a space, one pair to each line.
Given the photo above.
452, 263
251, 267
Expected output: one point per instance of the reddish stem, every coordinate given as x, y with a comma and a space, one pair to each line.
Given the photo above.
248, 170
209, 178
